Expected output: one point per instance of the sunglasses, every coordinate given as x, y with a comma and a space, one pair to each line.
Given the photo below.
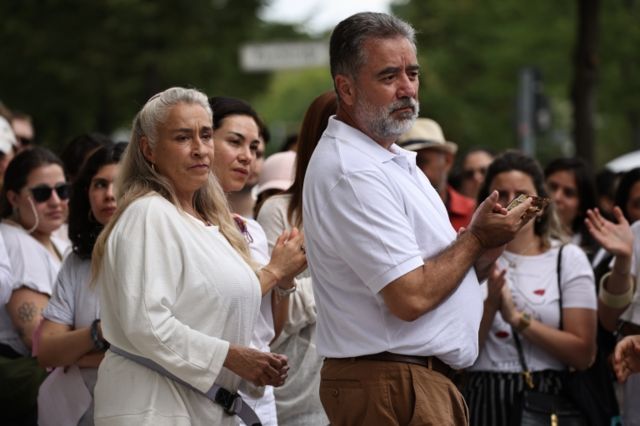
470, 173
42, 193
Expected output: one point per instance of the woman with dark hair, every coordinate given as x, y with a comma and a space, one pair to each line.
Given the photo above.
297, 400
572, 189
618, 295
523, 304
237, 132
628, 195
33, 206
71, 336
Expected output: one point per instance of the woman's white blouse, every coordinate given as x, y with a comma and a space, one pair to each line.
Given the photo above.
175, 291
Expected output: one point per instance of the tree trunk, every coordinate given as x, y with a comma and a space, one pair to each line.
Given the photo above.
584, 79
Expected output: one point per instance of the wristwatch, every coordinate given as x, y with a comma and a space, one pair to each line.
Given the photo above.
98, 342
523, 322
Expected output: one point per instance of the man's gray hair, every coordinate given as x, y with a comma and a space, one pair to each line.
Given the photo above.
346, 46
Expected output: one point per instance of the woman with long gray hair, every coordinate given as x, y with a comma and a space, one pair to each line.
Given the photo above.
179, 294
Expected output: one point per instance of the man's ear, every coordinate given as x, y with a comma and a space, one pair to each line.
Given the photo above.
346, 89
145, 147
448, 158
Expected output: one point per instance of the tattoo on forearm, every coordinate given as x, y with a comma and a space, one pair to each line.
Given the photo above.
27, 312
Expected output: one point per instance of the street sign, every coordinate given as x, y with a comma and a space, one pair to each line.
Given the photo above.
283, 55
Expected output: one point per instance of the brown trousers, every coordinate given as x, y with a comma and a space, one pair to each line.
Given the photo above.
364, 392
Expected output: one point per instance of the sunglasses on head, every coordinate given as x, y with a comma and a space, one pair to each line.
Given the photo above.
42, 193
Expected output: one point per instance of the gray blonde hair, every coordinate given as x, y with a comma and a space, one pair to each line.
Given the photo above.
138, 178
346, 45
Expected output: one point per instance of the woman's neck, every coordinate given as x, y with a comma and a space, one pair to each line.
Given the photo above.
526, 244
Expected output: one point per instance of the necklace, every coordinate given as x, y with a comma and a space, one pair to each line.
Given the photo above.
514, 259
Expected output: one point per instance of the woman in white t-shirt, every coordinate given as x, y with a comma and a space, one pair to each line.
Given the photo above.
33, 205
238, 131
71, 336
522, 297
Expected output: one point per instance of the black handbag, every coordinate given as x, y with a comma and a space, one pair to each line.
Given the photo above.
537, 408
592, 389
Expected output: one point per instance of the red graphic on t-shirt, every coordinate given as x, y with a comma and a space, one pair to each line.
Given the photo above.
539, 292
502, 334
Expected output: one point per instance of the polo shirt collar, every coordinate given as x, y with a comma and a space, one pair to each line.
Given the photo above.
363, 143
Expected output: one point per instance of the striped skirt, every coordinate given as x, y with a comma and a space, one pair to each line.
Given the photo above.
491, 396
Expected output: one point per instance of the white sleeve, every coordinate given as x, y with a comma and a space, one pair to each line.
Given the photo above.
636, 248
31, 265
273, 218
578, 285
146, 255
61, 306
6, 276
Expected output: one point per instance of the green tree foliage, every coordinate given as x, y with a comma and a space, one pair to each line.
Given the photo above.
78, 66
471, 52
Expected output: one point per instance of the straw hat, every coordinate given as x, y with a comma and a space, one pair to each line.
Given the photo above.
426, 133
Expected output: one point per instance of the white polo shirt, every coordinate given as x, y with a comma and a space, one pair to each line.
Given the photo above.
371, 216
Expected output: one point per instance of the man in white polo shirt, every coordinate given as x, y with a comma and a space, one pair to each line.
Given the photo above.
399, 305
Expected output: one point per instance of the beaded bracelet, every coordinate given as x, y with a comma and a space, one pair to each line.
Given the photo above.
614, 301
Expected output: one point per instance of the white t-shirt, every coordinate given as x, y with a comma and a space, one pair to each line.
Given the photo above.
75, 302
175, 291
534, 286
370, 217
34, 267
6, 276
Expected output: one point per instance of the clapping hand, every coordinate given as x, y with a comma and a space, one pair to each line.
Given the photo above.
495, 283
288, 257
626, 358
616, 238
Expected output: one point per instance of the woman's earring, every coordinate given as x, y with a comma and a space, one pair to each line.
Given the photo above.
153, 167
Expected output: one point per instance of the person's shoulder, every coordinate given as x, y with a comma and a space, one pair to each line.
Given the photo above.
149, 206
73, 266
461, 202
274, 204
14, 235
635, 227
573, 253
149, 210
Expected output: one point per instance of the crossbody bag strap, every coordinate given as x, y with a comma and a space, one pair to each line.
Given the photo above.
528, 378
231, 402
559, 280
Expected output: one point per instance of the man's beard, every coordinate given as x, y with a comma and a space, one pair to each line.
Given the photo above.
380, 123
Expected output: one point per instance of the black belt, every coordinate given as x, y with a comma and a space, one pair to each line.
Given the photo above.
430, 362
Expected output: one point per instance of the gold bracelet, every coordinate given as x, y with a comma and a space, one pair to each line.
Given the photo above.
614, 301
523, 322
265, 269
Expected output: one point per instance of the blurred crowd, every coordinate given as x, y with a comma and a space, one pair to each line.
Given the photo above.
183, 277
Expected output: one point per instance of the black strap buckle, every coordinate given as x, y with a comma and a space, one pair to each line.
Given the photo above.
231, 402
